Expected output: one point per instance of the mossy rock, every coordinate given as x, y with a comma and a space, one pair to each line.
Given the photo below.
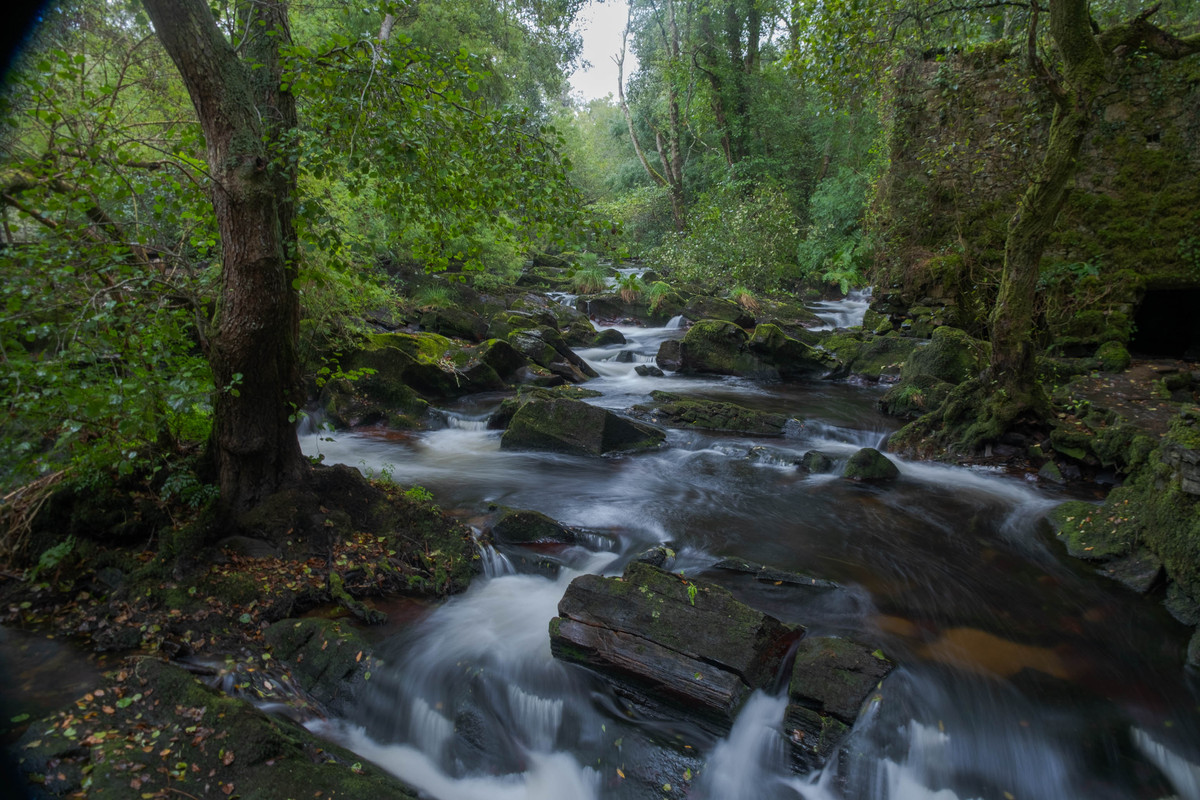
328, 658
1087, 532
871, 357
790, 358
815, 463
1113, 357
217, 746
721, 348
455, 323
915, 396
709, 308
577, 428
508, 407
607, 337
676, 411
869, 465
951, 356
523, 526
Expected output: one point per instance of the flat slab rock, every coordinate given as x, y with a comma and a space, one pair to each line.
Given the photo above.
644, 628
642, 633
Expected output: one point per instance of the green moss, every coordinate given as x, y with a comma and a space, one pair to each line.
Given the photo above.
1113, 357
1089, 532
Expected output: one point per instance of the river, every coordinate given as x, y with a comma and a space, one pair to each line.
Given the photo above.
1022, 674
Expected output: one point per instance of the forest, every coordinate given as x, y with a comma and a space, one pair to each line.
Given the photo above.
816, 415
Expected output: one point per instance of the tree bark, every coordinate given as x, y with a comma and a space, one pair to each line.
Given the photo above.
1085, 79
245, 116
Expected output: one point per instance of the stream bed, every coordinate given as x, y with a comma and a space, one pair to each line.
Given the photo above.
1022, 674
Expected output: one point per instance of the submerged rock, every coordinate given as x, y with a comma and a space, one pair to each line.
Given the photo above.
648, 371
676, 411
869, 465
577, 428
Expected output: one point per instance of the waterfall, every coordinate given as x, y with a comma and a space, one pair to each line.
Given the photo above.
675, 323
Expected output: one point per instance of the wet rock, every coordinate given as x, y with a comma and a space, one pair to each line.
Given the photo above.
791, 358
508, 407
608, 336
577, 428
873, 358
869, 465
670, 355
815, 462
721, 348
812, 737
1141, 571
834, 676
521, 526
1087, 532
327, 658
685, 642
648, 371
1051, 472
546, 348
765, 574
703, 308
661, 556
951, 356
676, 411
624, 357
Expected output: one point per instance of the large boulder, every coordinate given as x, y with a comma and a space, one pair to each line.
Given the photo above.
721, 348
509, 406
455, 323
931, 372
699, 308
574, 427
873, 358
790, 357
676, 411
667, 639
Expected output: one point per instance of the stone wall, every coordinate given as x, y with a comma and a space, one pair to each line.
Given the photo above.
965, 133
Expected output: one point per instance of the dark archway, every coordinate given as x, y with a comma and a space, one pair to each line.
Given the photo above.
1168, 325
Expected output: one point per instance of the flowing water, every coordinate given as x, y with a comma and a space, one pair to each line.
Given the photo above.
1023, 675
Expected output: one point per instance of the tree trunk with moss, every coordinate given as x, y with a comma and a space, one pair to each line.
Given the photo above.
1084, 81
247, 117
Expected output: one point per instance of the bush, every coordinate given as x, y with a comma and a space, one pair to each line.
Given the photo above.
835, 248
738, 235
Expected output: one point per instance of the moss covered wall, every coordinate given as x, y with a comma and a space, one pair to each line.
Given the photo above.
966, 130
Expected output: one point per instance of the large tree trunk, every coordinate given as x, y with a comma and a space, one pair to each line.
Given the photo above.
245, 115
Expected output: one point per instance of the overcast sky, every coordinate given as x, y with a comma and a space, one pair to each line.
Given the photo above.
601, 25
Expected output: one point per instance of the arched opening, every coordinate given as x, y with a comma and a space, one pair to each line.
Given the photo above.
1168, 325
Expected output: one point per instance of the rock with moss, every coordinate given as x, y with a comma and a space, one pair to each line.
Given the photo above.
214, 745
546, 347
793, 318
790, 358
951, 356
524, 526
571, 426
666, 639
327, 658
607, 337
915, 396
873, 358
831, 678
869, 465
503, 415
676, 411
455, 323
1113, 357
707, 308
815, 462
1087, 532
720, 348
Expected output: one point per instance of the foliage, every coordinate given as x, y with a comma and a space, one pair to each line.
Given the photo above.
433, 297
590, 277
739, 235
630, 287
656, 293
835, 248
745, 298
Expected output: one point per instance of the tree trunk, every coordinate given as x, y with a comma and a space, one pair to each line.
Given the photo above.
245, 116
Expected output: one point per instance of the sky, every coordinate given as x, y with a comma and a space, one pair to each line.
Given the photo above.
601, 25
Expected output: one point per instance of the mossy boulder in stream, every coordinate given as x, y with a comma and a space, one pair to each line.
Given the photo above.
523, 526
676, 411
682, 642
545, 347
790, 358
702, 308
718, 347
577, 428
869, 465
328, 659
